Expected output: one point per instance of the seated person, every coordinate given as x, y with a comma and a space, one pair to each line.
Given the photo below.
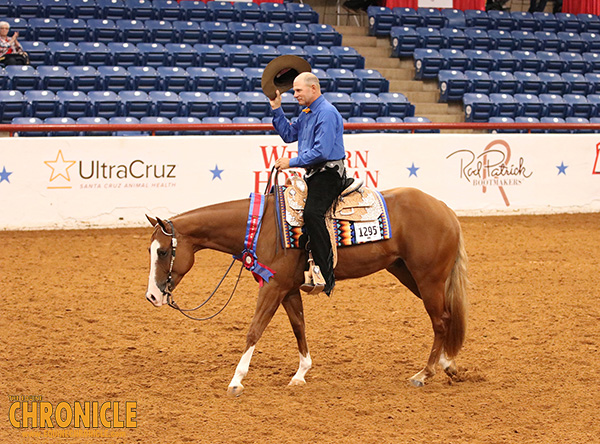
11, 52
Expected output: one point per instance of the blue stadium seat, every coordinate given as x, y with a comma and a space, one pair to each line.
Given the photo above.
73, 30
478, 107
174, 78
210, 55
381, 20
242, 33
61, 121
263, 54
254, 104
479, 82
25, 9
226, 104
196, 104
253, 78
528, 61
592, 41
144, 78
22, 77
407, 17
347, 57
63, 53
524, 21
246, 120
166, 104
270, 34
219, 11
187, 120
203, 79
504, 60
595, 100
502, 40
38, 52
548, 41
546, 21
41, 104
84, 9
135, 103
112, 9
530, 105
502, 119
342, 101
529, 82
575, 62
452, 84
553, 83
158, 120
367, 105
182, 55
577, 83
73, 104
153, 54
554, 120
238, 56
479, 39
579, 106
431, 17
302, 13
114, 78
593, 79
6, 8
19, 24
396, 105
592, 60
504, 82
478, 19
103, 30
275, 12
28, 121
132, 31
232, 79
501, 20
84, 78
504, 105
54, 78
320, 57
579, 120
193, 10
104, 104
292, 50
554, 105
429, 38
360, 120
325, 79
221, 121
344, 80
139, 9
420, 119
4, 81
454, 38
124, 54
480, 60
525, 40
454, 18
92, 121
589, 23
43, 29
297, 33
572, 41
371, 81
248, 12
94, 54
388, 119
454, 59
161, 31
323, 34
568, 22
404, 41
216, 33
551, 61
428, 63
168, 10
289, 105
528, 120
128, 120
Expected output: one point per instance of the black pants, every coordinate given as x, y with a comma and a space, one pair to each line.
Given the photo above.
537, 5
14, 59
323, 189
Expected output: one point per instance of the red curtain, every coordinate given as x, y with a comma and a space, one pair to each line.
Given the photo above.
581, 6
458, 4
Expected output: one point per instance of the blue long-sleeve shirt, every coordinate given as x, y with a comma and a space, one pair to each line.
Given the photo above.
319, 133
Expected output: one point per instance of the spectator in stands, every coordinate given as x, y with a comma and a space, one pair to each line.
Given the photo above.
319, 131
11, 52
540, 6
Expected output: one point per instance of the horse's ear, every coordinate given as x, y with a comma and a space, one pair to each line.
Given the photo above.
151, 220
162, 225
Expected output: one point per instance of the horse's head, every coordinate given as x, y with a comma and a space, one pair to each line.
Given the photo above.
171, 257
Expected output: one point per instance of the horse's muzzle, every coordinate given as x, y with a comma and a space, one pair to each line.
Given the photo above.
157, 302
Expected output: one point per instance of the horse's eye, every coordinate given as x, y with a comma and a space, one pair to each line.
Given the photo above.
161, 253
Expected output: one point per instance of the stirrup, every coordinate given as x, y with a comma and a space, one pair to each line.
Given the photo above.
351, 185
314, 282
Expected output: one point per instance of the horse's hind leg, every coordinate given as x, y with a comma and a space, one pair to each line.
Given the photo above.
293, 307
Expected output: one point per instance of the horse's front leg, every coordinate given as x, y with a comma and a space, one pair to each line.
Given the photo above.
293, 307
269, 299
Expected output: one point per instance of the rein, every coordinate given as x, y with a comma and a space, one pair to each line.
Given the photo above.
167, 291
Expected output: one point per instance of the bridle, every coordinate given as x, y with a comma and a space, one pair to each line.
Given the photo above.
167, 290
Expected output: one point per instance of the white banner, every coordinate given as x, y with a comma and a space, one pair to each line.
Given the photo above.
72, 182
435, 4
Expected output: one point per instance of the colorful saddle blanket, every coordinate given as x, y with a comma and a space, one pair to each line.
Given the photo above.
357, 218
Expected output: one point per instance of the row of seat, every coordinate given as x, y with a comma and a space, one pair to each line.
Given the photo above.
383, 19
45, 103
428, 62
405, 40
161, 10
164, 31
169, 78
189, 120
454, 84
481, 107
552, 120
185, 55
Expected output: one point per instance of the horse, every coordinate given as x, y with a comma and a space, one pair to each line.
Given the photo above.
426, 254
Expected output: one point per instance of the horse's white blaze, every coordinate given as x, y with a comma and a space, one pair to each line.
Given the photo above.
305, 365
153, 289
242, 368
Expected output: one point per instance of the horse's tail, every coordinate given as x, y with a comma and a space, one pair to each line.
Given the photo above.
456, 302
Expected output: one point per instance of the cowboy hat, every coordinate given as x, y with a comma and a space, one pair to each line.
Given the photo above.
280, 73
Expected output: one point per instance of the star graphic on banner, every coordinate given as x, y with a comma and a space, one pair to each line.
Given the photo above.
60, 166
413, 170
562, 168
216, 173
4, 175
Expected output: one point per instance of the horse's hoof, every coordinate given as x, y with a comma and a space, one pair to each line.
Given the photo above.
235, 390
416, 383
297, 382
451, 370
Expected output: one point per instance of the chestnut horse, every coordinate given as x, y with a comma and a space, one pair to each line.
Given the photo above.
425, 253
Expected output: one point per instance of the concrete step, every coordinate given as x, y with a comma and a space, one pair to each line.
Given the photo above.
441, 117
411, 85
352, 30
359, 41
422, 96
373, 51
436, 108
